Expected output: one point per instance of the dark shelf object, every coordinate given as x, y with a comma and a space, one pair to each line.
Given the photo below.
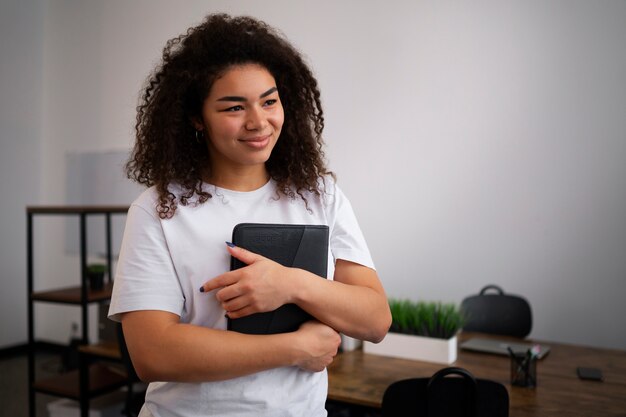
76, 209
91, 379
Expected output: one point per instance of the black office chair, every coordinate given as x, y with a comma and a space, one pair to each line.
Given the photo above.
450, 392
134, 400
499, 313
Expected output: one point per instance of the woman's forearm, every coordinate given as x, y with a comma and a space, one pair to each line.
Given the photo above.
162, 349
354, 304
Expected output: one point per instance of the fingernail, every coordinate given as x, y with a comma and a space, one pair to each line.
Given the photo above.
230, 245
201, 289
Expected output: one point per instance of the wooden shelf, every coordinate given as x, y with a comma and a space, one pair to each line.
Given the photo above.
108, 349
102, 379
72, 295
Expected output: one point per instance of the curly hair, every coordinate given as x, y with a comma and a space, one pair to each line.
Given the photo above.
165, 151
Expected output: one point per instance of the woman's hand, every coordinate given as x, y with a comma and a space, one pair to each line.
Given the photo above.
258, 287
318, 343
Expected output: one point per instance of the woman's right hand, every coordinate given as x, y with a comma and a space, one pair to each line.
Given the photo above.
318, 345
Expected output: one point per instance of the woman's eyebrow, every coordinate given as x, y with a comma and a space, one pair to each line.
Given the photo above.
268, 92
243, 99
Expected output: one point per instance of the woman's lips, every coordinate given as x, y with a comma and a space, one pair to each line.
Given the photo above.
257, 142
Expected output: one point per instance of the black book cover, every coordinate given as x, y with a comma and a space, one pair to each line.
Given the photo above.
297, 246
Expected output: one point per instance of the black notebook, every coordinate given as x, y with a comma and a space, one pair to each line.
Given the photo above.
298, 246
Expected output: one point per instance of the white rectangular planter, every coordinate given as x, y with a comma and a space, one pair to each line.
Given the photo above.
419, 348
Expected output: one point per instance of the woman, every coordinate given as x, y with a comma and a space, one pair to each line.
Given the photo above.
229, 131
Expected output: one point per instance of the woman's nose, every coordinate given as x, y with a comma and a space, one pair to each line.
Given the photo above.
256, 119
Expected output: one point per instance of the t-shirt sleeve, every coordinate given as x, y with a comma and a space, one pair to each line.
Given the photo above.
347, 241
145, 277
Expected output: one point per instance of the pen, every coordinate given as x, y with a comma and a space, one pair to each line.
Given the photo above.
535, 350
523, 364
531, 355
520, 363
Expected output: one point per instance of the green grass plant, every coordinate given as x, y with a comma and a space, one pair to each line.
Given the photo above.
422, 318
96, 268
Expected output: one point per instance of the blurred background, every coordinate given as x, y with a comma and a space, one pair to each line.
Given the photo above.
480, 142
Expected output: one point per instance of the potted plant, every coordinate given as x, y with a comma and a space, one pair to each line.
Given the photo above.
421, 330
95, 275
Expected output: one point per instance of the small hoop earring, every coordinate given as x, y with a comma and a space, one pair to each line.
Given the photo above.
199, 136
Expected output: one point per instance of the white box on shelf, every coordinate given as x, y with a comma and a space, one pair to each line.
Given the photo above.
419, 348
109, 405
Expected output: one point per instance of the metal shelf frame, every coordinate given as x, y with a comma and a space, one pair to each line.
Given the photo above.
81, 295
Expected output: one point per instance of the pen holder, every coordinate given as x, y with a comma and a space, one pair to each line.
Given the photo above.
523, 370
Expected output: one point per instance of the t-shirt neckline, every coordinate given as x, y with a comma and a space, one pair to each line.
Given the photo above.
265, 188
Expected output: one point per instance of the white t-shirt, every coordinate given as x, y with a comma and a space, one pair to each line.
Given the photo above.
163, 263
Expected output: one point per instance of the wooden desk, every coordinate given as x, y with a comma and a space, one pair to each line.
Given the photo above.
361, 379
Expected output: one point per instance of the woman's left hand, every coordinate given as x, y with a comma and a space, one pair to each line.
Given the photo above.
255, 288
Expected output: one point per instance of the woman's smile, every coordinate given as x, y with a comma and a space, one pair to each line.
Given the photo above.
257, 142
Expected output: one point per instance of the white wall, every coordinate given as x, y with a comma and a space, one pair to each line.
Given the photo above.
21, 59
480, 142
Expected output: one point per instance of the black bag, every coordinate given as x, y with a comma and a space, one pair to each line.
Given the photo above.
499, 313
439, 396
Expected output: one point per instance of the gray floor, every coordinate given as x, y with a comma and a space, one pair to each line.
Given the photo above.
14, 384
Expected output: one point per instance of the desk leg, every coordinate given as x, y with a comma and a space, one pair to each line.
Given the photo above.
83, 389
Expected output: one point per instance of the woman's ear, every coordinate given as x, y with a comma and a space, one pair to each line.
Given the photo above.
197, 123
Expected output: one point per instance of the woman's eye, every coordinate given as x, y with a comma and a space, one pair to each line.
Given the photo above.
270, 102
234, 108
